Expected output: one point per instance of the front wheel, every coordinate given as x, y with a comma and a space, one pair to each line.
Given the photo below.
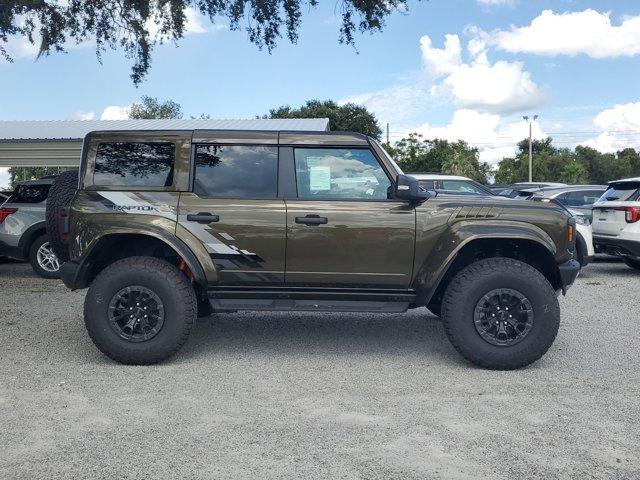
140, 310
501, 313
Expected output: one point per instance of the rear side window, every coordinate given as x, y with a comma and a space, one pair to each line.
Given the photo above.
236, 171
627, 191
462, 187
580, 198
427, 184
30, 194
134, 164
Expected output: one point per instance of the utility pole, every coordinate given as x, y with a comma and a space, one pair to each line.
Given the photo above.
526, 119
387, 133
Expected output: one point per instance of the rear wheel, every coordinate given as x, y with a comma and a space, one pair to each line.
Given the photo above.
43, 261
632, 262
500, 313
140, 310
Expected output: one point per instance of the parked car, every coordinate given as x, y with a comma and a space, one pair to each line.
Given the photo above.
616, 225
513, 191
165, 226
23, 233
450, 184
579, 198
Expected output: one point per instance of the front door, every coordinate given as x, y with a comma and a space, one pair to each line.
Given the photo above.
234, 211
343, 229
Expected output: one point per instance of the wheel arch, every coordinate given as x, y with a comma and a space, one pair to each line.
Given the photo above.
114, 246
29, 236
527, 248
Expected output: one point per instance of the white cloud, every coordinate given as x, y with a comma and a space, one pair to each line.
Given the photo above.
80, 115
115, 112
502, 87
620, 127
571, 33
4, 178
494, 137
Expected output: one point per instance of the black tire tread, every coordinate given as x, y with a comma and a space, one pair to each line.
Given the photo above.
482, 269
60, 196
183, 289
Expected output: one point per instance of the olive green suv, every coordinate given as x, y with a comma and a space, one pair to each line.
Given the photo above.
166, 226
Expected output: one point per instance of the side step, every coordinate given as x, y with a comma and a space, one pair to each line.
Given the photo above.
310, 301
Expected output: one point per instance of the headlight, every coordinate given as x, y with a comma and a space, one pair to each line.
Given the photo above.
582, 220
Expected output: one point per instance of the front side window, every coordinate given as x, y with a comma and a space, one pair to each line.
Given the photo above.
134, 164
340, 173
242, 171
581, 198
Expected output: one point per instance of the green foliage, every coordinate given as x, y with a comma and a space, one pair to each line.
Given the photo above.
150, 107
348, 117
414, 154
583, 165
137, 26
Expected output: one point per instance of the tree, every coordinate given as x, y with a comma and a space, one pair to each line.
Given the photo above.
138, 26
151, 107
19, 174
414, 154
348, 117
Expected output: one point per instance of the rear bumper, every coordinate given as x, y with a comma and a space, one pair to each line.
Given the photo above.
616, 246
69, 274
10, 251
568, 273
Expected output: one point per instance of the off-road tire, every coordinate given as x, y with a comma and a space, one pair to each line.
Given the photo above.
633, 263
60, 196
33, 258
471, 284
168, 283
580, 254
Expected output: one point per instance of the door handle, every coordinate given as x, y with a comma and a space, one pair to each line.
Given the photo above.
312, 220
203, 217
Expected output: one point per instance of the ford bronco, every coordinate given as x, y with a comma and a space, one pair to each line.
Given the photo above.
166, 226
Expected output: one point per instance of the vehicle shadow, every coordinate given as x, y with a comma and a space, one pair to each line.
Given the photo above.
414, 332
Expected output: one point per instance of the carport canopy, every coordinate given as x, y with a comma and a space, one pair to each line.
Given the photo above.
58, 143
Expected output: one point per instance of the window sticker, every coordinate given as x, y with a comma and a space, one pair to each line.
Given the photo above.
320, 178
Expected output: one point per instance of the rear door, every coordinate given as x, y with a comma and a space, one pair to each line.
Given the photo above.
234, 209
343, 229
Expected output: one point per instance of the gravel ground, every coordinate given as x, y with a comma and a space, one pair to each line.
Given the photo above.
319, 396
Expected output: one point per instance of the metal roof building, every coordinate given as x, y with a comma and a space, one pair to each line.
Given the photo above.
58, 143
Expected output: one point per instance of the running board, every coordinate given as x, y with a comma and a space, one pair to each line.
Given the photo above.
310, 301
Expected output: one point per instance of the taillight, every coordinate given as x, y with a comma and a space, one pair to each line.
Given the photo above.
631, 214
5, 212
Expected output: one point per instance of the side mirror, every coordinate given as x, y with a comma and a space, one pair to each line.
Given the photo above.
408, 188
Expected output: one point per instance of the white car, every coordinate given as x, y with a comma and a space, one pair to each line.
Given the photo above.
584, 238
616, 225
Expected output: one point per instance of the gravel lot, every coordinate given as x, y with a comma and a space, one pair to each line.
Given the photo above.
319, 396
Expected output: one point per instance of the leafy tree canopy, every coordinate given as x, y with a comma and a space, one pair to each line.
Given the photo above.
150, 107
348, 117
138, 25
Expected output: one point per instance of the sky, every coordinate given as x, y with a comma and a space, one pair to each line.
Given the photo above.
455, 69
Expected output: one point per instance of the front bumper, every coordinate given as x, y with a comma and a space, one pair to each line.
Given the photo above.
616, 246
568, 273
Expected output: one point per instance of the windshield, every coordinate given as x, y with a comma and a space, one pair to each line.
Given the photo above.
623, 191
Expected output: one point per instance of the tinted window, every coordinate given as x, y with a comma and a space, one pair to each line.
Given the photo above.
340, 173
462, 186
580, 198
30, 194
134, 164
427, 184
621, 191
243, 171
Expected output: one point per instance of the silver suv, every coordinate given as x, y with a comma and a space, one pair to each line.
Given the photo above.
23, 234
